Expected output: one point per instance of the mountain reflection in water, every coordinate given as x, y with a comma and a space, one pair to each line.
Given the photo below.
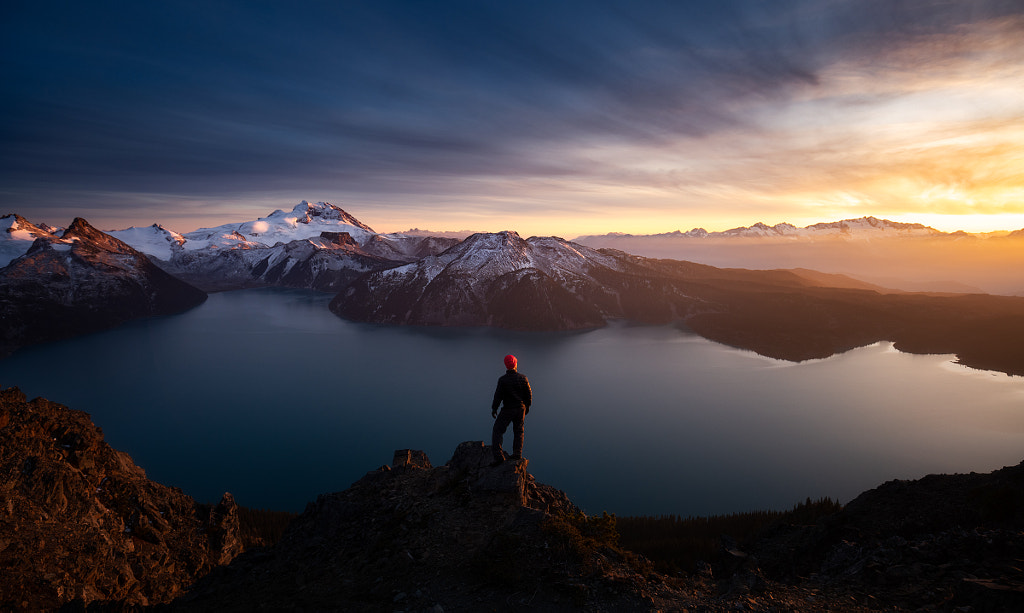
268, 395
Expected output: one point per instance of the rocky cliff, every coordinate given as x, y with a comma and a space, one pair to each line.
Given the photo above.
80, 522
467, 536
410, 536
81, 282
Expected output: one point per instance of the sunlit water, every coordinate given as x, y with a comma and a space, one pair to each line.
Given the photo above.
268, 395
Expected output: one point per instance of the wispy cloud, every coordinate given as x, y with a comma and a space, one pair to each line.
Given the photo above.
465, 110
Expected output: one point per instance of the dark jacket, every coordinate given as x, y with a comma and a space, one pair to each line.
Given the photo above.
514, 390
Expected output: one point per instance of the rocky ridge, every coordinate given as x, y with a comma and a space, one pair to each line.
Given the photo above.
80, 522
942, 542
465, 536
81, 282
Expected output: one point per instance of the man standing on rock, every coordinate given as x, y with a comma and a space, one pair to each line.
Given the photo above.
514, 391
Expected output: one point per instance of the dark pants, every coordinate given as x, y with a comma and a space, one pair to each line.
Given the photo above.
516, 417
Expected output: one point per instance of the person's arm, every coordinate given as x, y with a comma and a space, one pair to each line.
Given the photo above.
528, 394
497, 400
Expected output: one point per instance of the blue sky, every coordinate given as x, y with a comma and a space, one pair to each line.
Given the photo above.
545, 117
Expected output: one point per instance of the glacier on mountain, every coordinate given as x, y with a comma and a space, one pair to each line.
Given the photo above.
314, 245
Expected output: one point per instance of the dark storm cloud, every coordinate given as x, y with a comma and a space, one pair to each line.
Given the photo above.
217, 97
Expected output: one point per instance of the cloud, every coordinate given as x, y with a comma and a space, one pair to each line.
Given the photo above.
225, 100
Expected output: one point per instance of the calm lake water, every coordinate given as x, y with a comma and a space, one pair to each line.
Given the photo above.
268, 395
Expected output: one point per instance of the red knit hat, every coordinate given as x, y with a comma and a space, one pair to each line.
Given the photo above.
510, 362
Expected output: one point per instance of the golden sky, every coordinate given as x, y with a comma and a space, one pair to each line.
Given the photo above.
560, 119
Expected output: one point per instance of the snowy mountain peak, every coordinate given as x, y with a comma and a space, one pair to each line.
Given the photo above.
863, 227
83, 234
307, 212
154, 240
17, 234
873, 225
305, 221
497, 279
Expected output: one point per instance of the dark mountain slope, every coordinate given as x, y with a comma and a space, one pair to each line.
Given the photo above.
80, 521
488, 279
942, 542
82, 282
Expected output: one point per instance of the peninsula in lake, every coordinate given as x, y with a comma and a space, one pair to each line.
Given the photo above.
496, 279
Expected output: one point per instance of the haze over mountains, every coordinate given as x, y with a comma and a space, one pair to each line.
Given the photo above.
548, 283
910, 257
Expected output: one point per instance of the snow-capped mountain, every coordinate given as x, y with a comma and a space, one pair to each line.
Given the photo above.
860, 228
315, 245
306, 220
81, 281
155, 241
907, 256
488, 279
17, 234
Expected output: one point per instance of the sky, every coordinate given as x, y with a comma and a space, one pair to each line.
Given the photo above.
546, 117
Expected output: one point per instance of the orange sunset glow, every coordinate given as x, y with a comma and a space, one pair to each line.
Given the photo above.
802, 114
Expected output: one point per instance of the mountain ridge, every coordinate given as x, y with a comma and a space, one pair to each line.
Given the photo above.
860, 227
297, 248
83, 281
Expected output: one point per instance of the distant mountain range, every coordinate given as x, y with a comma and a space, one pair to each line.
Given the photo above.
911, 257
499, 279
860, 228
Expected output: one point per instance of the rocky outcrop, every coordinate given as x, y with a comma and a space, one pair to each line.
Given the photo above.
942, 542
82, 282
468, 536
410, 536
80, 522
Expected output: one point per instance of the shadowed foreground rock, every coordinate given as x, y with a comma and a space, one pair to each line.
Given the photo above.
464, 537
79, 521
942, 542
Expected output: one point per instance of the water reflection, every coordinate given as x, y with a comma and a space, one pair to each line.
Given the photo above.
266, 394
